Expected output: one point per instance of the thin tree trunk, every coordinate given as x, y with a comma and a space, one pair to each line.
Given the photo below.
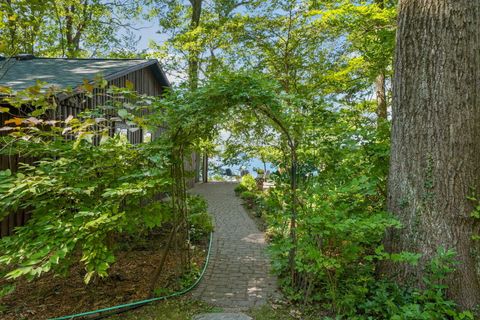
197, 166
159, 270
380, 85
293, 146
205, 168
293, 217
194, 66
194, 54
435, 157
381, 97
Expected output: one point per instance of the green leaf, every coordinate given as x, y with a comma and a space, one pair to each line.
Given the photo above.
123, 113
6, 290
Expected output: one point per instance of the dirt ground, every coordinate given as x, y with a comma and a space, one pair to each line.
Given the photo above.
129, 280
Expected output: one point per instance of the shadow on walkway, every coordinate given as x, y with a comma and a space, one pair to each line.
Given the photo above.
238, 275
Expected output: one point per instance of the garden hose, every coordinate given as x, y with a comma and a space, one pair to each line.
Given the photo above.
120, 308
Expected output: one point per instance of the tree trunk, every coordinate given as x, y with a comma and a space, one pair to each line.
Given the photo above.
381, 97
435, 157
198, 156
380, 85
194, 54
293, 217
205, 168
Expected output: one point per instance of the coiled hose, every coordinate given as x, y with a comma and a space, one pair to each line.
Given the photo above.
127, 306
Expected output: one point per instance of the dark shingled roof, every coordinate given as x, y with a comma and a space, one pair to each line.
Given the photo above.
20, 74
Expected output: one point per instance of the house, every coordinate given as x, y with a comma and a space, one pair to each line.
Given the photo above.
23, 71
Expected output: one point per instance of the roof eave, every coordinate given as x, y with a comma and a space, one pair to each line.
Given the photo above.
159, 73
152, 62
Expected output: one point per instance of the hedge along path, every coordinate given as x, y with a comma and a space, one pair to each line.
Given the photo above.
238, 276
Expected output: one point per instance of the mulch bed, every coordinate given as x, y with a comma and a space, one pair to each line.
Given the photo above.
129, 280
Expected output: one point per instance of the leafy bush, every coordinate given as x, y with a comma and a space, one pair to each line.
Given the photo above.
218, 177
249, 198
86, 189
337, 233
248, 195
260, 171
248, 182
239, 189
388, 300
78, 201
340, 216
199, 218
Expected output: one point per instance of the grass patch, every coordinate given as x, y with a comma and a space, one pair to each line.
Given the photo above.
286, 312
174, 309
185, 309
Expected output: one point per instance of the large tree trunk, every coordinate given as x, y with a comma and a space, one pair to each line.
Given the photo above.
435, 157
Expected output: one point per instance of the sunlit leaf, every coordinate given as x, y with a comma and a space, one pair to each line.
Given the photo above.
16, 121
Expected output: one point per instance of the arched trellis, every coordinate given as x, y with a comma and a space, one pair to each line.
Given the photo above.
192, 116
185, 118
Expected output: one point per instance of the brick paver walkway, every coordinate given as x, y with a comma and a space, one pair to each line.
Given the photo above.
238, 274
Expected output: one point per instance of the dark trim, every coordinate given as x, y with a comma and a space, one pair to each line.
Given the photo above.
152, 62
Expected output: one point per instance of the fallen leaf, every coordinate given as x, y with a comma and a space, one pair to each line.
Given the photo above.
17, 121
5, 90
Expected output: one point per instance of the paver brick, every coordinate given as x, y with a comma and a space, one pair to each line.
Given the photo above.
238, 275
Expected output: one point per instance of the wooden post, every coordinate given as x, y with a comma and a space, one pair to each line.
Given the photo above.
197, 166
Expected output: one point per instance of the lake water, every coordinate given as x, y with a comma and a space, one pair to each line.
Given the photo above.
250, 165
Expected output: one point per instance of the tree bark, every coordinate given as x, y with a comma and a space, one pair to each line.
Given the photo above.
293, 219
194, 54
381, 97
435, 157
380, 85
205, 168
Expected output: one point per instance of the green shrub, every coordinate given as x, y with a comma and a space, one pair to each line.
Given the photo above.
248, 195
239, 189
79, 198
249, 183
249, 198
337, 230
199, 218
218, 177
388, 300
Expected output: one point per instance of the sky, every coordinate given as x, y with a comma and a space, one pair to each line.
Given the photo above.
147, 32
